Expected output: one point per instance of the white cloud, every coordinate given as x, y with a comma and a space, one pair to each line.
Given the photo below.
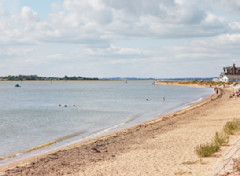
98, 21
29, 15
230, 6
13, 52
58, 55
114, 52
83, 32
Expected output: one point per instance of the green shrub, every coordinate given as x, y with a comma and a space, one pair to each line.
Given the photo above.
232, 127
220, 139
207, 149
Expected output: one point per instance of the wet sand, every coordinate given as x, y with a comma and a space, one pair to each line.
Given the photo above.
165, 146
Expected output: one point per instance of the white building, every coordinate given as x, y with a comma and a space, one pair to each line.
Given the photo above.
224, 79
231, 73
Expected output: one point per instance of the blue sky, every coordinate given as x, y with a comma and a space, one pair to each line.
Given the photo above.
127, 38
43, 7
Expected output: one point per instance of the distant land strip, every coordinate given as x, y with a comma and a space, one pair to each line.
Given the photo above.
39, 78
73, 78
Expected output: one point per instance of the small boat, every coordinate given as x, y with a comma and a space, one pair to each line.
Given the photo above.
17, 85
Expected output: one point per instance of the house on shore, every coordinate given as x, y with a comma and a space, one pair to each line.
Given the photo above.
230, 74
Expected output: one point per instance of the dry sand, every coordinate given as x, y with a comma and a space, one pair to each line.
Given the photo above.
164, 147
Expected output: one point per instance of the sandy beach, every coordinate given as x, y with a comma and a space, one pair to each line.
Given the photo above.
183, 83
163, 147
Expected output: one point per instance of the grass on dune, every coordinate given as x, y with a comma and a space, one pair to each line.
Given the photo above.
222, 138
205, 150
231, 127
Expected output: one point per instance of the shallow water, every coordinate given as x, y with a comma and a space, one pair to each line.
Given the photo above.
31, 115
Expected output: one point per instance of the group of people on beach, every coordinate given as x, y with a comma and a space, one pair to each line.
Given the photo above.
237, 93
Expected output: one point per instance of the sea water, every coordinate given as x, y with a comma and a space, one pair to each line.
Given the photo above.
39, 112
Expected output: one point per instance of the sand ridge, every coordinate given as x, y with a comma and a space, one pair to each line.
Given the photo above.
165, 147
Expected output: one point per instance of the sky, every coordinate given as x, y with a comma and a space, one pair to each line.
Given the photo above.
112, 38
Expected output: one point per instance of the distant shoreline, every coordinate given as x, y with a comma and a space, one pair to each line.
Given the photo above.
204, 84
177, 83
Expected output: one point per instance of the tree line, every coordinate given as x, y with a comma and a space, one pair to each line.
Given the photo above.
39, 78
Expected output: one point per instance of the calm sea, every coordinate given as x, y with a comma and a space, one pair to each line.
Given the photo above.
30, 115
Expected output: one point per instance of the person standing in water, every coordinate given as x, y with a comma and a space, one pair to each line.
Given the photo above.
163, 99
